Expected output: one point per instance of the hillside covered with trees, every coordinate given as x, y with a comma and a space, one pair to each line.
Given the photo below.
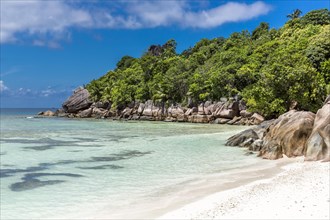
271, 70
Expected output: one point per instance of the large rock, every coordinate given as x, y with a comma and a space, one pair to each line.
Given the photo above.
201, 110
99, 113
262, 128
199, 118
175, 111
217, 106
61, 113
207, 104
182, 118
78, 101
85, 113
227, 110
147, 110
156, 111
288, 135
255, 133
210, 109
221, 120
241, 137
127, 112
245, 114
318, 144
47, 113
188, 112
226, 113
104, 105
140, 108
235, 121
257, 119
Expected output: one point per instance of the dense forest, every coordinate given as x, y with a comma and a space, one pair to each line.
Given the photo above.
272, 70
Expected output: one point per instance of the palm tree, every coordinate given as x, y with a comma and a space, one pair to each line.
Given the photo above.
95, 90
295, 14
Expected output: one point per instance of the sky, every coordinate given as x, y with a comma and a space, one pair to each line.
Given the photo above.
50, 47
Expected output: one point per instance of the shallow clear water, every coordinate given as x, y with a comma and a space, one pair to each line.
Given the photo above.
60, 168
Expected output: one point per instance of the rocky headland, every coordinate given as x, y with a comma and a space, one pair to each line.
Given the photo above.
226, 111
295, 133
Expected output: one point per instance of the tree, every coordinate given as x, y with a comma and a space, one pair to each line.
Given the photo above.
295, 14
125, 62
318, 49
95, 89
317, 17
262, 29
169, 49
270, 69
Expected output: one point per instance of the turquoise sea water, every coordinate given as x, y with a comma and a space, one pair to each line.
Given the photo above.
53, 168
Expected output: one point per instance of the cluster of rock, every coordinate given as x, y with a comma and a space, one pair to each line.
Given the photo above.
295, 133
225, 111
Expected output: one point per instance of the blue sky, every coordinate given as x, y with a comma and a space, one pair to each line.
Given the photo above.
48, 48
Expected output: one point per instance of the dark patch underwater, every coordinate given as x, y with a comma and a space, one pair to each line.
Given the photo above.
49, 143
11, 172
32, 184
30, 181
102, 167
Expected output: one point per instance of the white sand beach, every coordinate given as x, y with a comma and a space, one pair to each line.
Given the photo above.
301, 191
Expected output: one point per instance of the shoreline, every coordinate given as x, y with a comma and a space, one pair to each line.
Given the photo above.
167, 203
287, 188
186, 194
299, 191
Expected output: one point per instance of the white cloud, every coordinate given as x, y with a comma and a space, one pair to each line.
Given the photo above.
165, 13
230, 12
50, 21
160, 13
48, 43
48, 92
23, 92
39, 18
3, 87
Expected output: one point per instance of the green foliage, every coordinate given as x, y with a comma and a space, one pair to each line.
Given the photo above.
318, 49
95, 88
126, 61
321, 17
269, 68
261, 30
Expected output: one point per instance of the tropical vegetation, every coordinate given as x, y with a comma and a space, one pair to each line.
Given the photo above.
272, 70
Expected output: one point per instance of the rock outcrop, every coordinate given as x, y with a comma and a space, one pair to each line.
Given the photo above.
85, 113
318, 143
288, 135
242, 137
295, 133
78, 101
251, 138
225, 111
47, 113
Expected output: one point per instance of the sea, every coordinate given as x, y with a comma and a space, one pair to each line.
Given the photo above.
60, 168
